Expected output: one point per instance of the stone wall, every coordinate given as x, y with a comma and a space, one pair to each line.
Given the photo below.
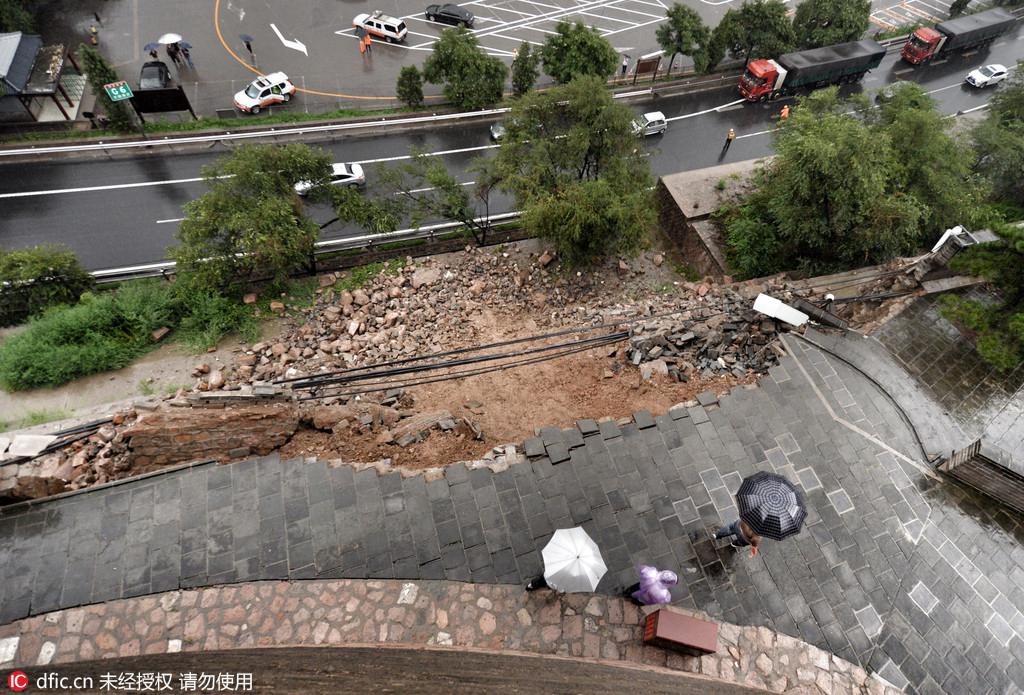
166, 438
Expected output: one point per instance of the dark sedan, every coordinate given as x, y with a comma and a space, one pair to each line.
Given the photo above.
154, 75
450, 14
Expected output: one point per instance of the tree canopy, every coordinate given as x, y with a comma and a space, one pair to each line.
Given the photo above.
999, 140
758, 29
100, 73
471, 78
827, 22
574, 165
251, 222
575, 50
525, 69
410, 86
684, 33
17, 15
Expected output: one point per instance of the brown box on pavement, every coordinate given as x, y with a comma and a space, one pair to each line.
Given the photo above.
671, 630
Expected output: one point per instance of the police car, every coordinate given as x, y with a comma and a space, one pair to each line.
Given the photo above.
265, 90
381, 26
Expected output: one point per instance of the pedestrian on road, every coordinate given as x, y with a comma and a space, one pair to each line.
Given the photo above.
728, 140
188, 57
368, 42
537, 583
743, 534
154, 55
625, 64
248, 47
653, 587
784, 114
362, 49
174, 53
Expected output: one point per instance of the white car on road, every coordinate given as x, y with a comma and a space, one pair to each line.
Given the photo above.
988, 75
265, 90
652, 123
350, 175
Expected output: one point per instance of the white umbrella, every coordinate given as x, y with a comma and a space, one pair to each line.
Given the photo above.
572, 561
169, 38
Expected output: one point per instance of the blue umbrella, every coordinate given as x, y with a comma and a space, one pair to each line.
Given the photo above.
245, 37
151, 47
184, 44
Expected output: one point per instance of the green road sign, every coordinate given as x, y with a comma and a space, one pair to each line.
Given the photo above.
118, 91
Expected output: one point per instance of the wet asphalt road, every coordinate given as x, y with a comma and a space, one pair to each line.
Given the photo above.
127, 213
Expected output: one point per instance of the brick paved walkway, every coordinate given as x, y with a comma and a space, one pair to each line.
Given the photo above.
916, 579
343, 612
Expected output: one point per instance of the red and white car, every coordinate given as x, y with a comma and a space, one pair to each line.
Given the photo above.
380, 26
265, 90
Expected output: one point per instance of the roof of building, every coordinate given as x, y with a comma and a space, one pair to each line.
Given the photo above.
17, 56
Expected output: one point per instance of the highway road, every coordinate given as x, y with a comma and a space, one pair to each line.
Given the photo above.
124, 211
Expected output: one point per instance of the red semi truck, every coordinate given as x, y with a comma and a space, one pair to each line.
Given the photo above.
811, 69
957, 35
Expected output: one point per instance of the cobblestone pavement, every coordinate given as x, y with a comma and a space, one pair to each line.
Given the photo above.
895, 570
436, 614
983, 401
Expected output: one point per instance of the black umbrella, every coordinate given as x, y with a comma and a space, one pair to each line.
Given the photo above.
772, 506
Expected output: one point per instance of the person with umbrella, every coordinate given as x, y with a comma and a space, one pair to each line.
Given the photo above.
152, 49
769, 506
572, 562
185, 47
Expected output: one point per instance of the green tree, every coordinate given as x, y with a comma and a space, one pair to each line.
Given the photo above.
471, 78
251, 222
930, 164
758, 29
100, 73
525, 69
829, 198
827, 22
999, 326
575, 50
999, 140
15, 15
410, 86
684, 33
957, 8
37, 278
572, 162
427, 191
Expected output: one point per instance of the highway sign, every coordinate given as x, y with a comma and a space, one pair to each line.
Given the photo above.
118, 91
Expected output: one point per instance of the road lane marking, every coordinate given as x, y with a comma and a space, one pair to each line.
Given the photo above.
109, 187
176, 219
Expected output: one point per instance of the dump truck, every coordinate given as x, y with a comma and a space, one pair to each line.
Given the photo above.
957, 35
811, 69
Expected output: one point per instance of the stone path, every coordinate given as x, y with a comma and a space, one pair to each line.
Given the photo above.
437, 614
914, 578
983, 401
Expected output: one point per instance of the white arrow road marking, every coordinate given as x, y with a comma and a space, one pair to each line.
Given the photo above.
296, 44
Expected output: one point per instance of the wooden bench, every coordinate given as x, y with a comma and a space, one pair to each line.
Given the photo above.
671, 630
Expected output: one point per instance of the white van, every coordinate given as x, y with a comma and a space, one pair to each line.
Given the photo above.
381, 26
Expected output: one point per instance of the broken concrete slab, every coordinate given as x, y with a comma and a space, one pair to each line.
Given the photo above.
29, 444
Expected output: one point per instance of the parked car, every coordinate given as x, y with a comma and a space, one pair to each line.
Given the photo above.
988, 75
154, 75
350, 175
381, 26
498, 131
264, 91
652, 123
450, 14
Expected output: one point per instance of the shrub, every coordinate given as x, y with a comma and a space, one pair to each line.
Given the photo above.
410, 86
35, 279
207, 317
103, 332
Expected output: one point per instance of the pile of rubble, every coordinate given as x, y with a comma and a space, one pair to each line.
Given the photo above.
93, 460
424, 307
722, 335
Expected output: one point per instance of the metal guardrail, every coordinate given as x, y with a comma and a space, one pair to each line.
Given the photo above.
365, 241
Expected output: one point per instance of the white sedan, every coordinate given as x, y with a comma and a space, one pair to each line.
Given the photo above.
350, 175
988, 75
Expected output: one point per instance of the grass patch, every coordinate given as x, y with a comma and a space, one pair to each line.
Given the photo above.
34, 418
358, 277
722, 183
901, 30
686, 271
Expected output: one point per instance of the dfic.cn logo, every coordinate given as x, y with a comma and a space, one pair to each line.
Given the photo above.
17, 681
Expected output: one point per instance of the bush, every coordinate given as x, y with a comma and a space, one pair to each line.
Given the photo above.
410, 86
35, 279
103, 332
208, 317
